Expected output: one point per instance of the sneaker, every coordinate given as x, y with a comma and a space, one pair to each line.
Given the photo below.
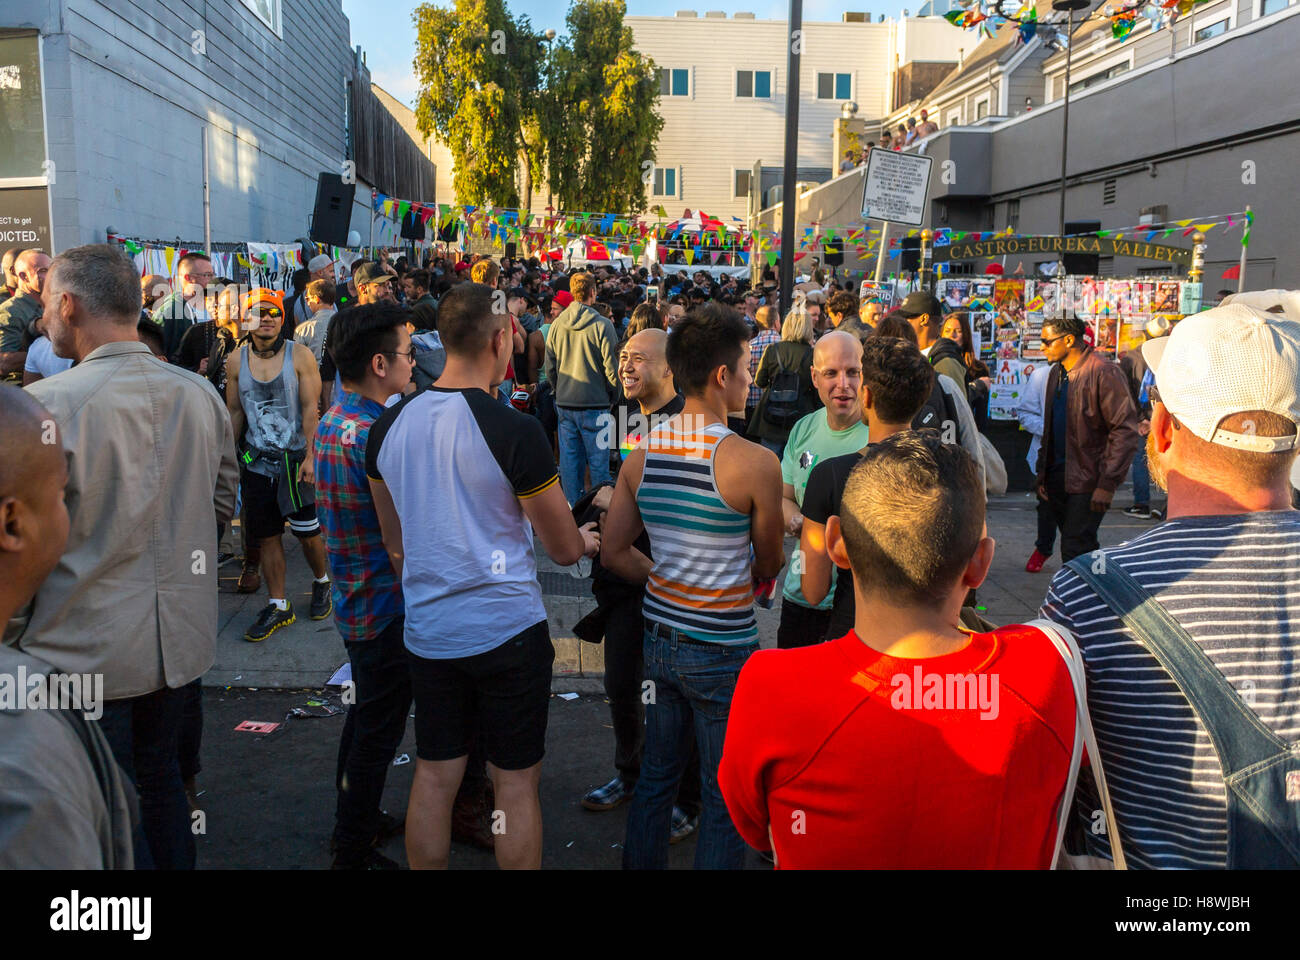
1036, 561
683, 826
1156, 515
271, 619
609, 796
374, 860
322, 604
250, 581
1140, 510
225, 558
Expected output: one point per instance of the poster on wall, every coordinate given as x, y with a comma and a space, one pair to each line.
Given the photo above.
25, 218
1165, 297
1009, 298
1031, 340
982, 326
1131, 336
955, 293
1004, 394
1008, 340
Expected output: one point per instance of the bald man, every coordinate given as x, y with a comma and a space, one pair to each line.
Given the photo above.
836, 428
153, 287
54, 812
19, 313
647, 381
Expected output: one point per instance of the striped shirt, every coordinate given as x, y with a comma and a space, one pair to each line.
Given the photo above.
1233, 583
701, 582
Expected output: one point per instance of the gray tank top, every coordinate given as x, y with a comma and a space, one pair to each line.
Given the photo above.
273, 413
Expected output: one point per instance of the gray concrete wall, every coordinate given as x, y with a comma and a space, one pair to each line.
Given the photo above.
127, 97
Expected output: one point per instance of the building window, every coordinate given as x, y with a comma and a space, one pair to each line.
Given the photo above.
834, 86
1213, 30
981, 109
754, 83
742, 183
665, 182
22, 151
674, 83
1013, 215
1273, 6
1101, 77
1108, 193
1105, 266
954, 119
268, 11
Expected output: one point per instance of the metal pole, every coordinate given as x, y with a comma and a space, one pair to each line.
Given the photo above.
1241, 265
207, 195
1065, 117
789, 202
372, 224
884, 247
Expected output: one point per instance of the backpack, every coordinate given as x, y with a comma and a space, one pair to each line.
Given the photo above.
784, 407
938, 410
1261, 774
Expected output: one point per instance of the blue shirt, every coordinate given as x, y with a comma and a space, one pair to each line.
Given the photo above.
367, 594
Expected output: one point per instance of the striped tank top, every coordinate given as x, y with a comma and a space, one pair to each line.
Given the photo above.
701, 581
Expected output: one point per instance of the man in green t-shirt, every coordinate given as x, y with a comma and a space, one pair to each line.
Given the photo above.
836, 428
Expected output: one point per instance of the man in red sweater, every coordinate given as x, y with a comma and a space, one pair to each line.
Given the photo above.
909, 742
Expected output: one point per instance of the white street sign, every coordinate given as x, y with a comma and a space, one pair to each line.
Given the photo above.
897, 187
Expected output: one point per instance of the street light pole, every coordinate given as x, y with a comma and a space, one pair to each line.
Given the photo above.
1069, 6
789, 202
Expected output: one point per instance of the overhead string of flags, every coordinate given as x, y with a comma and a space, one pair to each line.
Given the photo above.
987, 16
699, 235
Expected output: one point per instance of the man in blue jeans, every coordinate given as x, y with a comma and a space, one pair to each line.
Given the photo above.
710, 502
581, 361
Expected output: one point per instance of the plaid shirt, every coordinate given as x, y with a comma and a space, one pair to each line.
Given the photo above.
367, 592
756, 347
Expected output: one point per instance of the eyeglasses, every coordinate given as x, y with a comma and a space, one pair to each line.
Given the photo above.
1153, 394
408, 354
1046, 342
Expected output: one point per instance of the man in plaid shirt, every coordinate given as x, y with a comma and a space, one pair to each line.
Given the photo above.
769, 332
371, 346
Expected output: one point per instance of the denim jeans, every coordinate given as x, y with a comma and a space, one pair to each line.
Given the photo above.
579, 430
1141, 478
693, 686
144, 734
372, 731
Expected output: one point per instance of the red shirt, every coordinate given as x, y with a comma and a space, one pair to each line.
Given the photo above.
855, 764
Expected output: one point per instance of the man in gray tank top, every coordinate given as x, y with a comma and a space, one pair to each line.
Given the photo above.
272, 390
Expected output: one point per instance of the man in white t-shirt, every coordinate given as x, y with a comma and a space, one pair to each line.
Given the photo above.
476, 629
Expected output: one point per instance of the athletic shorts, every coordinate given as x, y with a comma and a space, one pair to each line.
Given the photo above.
262, 510
502, 696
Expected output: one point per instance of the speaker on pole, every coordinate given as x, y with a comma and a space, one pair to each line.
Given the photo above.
412, 226
333, 214
909, 259
1085, 264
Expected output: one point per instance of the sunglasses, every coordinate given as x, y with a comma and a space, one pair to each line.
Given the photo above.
1046, 342
271, 312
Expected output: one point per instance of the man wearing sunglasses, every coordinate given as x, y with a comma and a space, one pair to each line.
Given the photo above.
1090, 434
272, 391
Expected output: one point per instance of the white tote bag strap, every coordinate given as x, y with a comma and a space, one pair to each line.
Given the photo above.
1066, 646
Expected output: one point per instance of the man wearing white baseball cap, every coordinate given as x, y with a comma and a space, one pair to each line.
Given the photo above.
1194, 681
322, 267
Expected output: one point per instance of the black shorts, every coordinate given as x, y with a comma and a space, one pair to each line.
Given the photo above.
501, 696
261, 497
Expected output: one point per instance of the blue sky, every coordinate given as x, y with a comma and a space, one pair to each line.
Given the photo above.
386, 34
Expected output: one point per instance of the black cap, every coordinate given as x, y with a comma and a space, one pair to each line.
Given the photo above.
918, 302
518, 293
371, 272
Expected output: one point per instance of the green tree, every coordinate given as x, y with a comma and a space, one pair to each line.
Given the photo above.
479, 69
598, 114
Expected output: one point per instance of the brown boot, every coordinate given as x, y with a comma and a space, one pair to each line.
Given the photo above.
250, 581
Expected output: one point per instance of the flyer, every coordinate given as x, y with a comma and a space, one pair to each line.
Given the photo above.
1004, 394
1132, 336
955, 293
1165, 298
1031, 340
1009, 298
1143, 294
982, 329
1050, 293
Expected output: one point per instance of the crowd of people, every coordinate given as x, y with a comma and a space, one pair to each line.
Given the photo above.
422, 429
904, 136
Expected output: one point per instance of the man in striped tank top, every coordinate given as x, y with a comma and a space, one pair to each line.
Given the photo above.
706, 497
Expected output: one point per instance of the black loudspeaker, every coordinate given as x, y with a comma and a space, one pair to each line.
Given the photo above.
910, 257
333, 214
835, 259
510, 249
1083, 264
450, 233
412, 226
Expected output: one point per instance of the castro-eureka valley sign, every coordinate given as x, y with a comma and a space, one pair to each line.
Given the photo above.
1105, 246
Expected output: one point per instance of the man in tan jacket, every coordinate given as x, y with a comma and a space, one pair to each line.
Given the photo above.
151, 475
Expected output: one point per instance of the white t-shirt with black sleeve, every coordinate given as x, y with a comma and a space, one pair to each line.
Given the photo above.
458, 465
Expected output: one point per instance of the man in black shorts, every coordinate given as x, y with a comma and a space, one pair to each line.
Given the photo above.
272, 391
896, 381
469, 578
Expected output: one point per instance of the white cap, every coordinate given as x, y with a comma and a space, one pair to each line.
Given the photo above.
1231, 359
319, 261
1286, 302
